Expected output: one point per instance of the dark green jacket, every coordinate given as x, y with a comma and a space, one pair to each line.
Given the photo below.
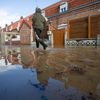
38, 21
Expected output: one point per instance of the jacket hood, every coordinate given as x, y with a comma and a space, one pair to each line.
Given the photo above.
38, 10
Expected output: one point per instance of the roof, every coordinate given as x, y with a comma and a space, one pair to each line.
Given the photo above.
29, 24
18, 24
13, 26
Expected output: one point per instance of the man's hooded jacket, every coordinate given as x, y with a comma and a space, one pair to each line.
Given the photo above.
38, 21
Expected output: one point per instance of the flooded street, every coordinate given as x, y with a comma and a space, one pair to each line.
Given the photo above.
71, 73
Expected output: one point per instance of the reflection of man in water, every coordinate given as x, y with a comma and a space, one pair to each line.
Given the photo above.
43, 82
43, 78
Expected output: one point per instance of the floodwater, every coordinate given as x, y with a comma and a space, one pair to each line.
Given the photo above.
71, 73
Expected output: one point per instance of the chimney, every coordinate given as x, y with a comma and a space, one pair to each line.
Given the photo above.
6, 26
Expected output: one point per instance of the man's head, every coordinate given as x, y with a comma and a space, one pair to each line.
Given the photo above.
38, 10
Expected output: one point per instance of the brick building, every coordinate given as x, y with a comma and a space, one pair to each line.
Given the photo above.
18, 32
61, 15
65, 10
64, 13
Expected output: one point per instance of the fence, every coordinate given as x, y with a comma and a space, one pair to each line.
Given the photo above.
82, 42
87, 27
84, 31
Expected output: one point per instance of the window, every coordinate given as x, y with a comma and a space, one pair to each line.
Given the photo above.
62, 10
63, 7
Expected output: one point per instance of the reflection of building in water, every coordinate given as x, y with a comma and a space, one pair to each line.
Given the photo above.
76, 86
76, 82
3, 61
53, 63
10, 55
2, 50
3, 58
13, 55
27, 58
44, 75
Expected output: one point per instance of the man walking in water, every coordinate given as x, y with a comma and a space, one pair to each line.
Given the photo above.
39, 24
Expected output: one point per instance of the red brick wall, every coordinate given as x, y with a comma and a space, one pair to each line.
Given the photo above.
83, 12
76, 3
25, 33
53, 9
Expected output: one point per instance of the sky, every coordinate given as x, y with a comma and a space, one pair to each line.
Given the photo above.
11, 10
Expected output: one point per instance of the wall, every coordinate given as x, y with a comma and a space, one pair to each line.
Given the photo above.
95, 25
75, 3
25, 33
74, 13
2, 38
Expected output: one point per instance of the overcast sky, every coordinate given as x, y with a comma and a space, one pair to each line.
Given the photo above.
11, 10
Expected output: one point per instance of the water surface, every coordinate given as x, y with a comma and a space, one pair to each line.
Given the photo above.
55, 74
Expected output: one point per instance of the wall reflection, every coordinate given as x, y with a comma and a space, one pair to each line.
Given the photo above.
9, 55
